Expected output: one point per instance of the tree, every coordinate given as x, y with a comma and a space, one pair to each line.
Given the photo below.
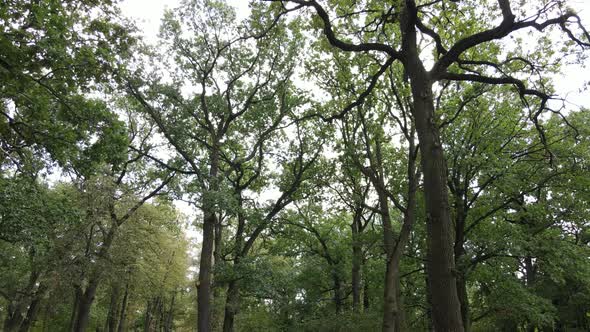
53, 55
241, 93
393, 31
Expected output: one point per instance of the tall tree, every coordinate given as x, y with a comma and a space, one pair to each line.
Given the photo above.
393, 32
239, 89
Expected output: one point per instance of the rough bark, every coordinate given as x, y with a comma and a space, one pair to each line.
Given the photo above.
391, 308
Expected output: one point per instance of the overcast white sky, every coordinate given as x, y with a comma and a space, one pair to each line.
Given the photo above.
148, 13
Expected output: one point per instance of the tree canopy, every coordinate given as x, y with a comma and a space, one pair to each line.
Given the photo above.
299, 165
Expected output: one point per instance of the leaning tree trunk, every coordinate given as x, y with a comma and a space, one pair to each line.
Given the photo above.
205, 264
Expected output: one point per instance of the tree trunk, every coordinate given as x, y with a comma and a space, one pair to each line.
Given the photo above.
77, 297
87, 297
459, 251
16, 308
366, 300
357, 260
205, 263
393, 317
391, 310
429, 326
33, 310
13, 320
113, 309
170, 317
122, 316
84, 306
232, 301
446, 308
147, 321
232, 305
337, 290
216, 298
462, 293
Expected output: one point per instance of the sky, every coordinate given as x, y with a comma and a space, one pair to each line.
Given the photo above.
148, 13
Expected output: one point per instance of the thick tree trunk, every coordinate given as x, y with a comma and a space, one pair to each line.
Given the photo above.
216, 287
429, 326
446, 308
205, 263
